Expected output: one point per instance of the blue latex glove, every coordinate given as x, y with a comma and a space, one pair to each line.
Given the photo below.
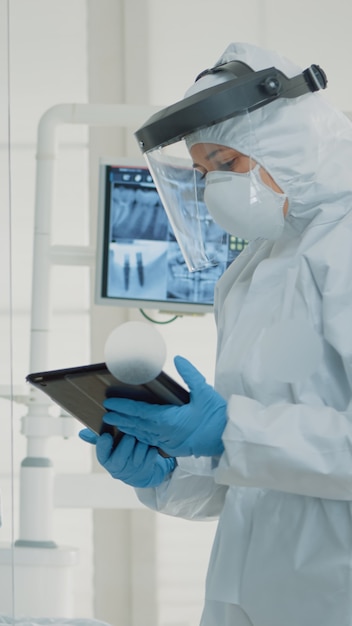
191, 429
133, 462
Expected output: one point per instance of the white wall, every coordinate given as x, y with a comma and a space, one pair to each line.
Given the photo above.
138, 51
189, 36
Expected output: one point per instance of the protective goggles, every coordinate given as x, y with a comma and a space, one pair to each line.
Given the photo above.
166, 138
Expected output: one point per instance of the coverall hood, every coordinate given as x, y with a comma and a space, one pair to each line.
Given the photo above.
294, 140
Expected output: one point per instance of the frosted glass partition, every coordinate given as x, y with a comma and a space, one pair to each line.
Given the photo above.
39, 573
7, 392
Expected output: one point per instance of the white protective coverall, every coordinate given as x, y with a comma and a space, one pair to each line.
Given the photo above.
282, 490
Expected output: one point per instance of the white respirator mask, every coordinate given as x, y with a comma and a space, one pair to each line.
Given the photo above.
243, 205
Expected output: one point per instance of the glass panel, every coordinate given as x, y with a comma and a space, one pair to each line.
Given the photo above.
8, 407
39, 573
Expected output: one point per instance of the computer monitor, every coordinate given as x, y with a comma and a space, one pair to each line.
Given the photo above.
139, 262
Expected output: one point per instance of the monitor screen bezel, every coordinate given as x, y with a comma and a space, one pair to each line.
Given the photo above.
176, 307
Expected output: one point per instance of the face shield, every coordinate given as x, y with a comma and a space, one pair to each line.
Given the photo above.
198, 176
181, 188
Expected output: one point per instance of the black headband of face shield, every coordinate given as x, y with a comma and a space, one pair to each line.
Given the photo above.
246, 91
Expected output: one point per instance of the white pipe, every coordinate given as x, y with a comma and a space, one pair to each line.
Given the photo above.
37, 499
36, 473
90, 114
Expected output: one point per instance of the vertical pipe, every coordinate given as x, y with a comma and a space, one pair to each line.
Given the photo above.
36, 477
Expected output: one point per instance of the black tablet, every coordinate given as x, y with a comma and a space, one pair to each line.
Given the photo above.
81, 392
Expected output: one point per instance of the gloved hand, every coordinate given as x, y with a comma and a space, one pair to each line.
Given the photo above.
191, 429
133, 462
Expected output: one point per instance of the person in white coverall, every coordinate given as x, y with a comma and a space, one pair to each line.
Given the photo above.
268, 451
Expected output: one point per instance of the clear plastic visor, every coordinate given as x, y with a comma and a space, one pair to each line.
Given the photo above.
181, 179
181, 189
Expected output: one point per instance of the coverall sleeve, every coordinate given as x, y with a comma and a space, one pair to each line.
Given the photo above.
299, 448
190, 492
287, 447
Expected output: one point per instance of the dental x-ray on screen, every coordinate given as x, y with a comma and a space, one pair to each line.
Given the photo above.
139, 262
